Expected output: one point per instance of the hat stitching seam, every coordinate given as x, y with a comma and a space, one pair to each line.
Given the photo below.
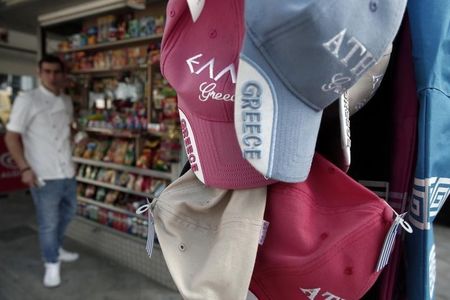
334, 209
326, 257
261, 287
320, 259
189, 220
227, 223
385, 42
275, 34
296, 22
277, 72
175, 34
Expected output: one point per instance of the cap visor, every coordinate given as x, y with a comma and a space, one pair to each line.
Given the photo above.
220, 157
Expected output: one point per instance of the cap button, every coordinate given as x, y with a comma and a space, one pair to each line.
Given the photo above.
348, 271
213, 34
373, 6
324, 235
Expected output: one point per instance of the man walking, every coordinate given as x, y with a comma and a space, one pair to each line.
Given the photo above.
38, 139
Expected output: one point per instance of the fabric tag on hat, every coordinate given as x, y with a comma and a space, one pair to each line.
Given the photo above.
151, 226
195, 7
150, 234
264, 227
390, 240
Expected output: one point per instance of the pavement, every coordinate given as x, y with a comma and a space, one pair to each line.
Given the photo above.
96, 277
91, 277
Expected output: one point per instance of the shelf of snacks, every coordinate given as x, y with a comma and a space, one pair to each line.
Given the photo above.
110, 207
163, 112
122, 178
112, 43
113, 132
120, 167
107, 72
65, 47
114, 187
110, 216
109, 62
103, 63
115, 30
155, 156
128, 145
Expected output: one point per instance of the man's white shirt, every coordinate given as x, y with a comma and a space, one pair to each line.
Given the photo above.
43, 120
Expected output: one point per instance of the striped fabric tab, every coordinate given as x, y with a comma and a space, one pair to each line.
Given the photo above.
389, 242
151, 225
150, 234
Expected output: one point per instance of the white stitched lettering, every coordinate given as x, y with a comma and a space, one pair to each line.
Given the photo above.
207, 92
210, 66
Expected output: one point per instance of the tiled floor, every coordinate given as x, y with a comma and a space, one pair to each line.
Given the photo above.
96, 277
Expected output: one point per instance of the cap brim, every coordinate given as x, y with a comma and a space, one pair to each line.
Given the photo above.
276, 130
218, 159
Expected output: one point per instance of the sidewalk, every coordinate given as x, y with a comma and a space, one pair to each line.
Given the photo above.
95, 277
91, 277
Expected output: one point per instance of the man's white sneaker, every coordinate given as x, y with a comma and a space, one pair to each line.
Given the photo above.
67, 256
52, 277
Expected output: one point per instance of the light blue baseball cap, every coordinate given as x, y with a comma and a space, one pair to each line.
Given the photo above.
298, 57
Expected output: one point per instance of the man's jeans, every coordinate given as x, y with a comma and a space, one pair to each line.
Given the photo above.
55, 204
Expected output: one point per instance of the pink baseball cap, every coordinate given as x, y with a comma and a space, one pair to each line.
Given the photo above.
200, 59
324, 238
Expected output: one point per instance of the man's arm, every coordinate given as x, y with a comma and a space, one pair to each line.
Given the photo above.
13, 142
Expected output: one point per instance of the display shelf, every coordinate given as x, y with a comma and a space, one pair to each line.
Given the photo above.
110, 207
134, 170
120, 133
106, 72
99, 226
114, 44
114, 187
91, 228
155, 129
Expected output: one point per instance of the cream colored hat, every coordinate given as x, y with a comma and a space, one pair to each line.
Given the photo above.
209, 237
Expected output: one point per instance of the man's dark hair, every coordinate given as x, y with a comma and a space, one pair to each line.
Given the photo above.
51, 59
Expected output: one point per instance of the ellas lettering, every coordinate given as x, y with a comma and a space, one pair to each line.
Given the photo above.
208, 89
193, 62
189, 148
315, 294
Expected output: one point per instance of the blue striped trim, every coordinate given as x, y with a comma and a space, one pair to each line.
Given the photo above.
389, 243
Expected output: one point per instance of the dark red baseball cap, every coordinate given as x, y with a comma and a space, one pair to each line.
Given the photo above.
324, 239
200, 59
